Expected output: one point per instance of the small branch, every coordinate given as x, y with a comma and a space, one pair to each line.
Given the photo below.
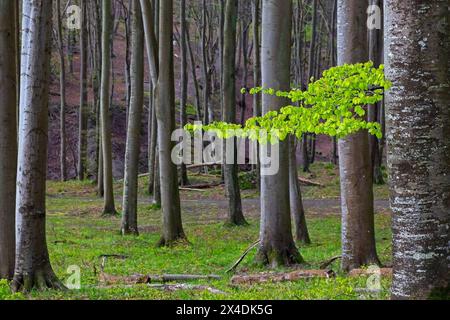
309, 182
326, 263
238, 261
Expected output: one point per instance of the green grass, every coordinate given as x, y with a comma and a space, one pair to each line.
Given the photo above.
78, 234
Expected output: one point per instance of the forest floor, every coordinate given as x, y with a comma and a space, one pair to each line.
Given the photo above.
78, 235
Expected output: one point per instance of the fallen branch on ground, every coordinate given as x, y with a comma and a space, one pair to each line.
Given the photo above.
281, 277
184, 286
238, 261
203, 186
326, 263
307, 182
148, 278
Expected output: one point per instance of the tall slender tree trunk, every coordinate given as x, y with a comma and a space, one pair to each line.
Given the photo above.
206, 115
109, 206
83, 112
130, 186
62, 91
358, 235
277, 244
418, 131
235, 215
165, 113
295, 197
374, 111
256, 72
150, 21
184, 83
32, 265
8, 134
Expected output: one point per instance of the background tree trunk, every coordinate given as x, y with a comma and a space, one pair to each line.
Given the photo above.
235, 215
83, 112
418, 117
32, 267
165, 113
8, 135
62, 92
130, 187
184, 82
277, 245
358, 235
109, 206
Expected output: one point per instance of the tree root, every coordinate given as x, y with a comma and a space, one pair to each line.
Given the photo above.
40, 280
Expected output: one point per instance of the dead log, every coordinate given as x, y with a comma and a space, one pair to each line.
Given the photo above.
307, 182
281, 277
202, 186
149, 278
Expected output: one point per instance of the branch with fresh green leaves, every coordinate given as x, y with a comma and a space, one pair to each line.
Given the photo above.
333, 105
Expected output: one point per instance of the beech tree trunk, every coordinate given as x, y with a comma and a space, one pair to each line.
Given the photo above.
62, 92
235, 215
418, 116
184, 83
256, 70
109, 206
295, 197
130, 186
165, 113
358, 235
83, 110
8, 135
374, 111
32, 266
277, 244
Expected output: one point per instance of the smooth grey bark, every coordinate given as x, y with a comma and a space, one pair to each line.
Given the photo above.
150, 16
165, 113
374, 111
194, 78
62, 92
358, 234
130, 184
277, 246
184, 83
235, 214
109, 206
32, 264
8, 135
206, 81
83, 108
295, 197
256, 70
418, 116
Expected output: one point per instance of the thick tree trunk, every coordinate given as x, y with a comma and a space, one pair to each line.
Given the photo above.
62, 91
165, 113
206, 87
358, 235
295, 197
33, 269
374, 111
418, 117
277, 244
130, 186
184, 82
8, 135
235, 215
109, 206
83, 112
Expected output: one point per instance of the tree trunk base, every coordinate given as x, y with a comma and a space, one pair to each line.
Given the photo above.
348, 265
303, 238
237, 222
275, 257
41, 280
179, 240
